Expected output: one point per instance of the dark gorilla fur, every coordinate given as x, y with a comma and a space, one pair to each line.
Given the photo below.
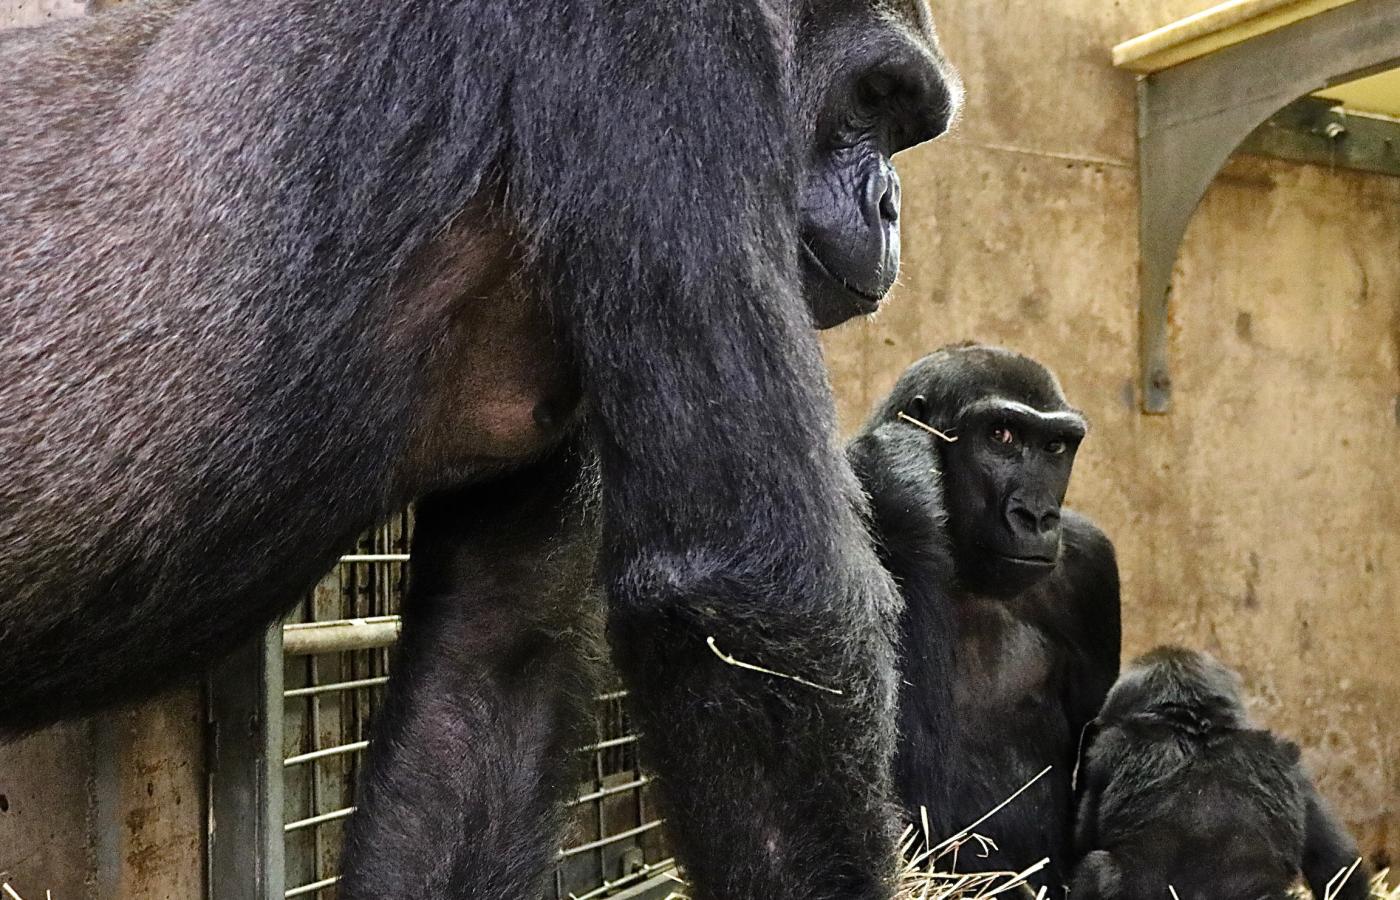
999, 676
462, 796
1176, 788
263, 270
896, 464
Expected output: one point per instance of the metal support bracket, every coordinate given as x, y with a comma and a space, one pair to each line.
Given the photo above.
1323, 133
1193, 116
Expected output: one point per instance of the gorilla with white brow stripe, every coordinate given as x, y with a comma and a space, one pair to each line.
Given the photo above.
1010, 636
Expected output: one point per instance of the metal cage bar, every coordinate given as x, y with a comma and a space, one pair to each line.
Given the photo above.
245, 859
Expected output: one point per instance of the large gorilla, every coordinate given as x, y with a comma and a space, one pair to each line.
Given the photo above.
1178, 790
1011, 621
271, 268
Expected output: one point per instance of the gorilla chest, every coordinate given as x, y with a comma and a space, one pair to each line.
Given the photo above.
1005, 665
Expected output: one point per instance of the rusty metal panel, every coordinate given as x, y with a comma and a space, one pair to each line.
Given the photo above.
147, 784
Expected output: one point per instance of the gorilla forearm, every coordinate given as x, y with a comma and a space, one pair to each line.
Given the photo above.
893, 464
774, 789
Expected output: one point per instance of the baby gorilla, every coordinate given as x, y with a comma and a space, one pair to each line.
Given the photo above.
1009, 639
1179, 794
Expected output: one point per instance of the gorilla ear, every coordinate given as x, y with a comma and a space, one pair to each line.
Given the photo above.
918, 408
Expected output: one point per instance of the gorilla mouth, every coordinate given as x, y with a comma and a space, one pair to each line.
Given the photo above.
864, 301
1028, 561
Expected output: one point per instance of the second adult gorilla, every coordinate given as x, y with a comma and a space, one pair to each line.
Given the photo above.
1029, 589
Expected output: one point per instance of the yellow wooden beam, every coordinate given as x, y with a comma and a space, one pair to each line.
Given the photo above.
1221, 26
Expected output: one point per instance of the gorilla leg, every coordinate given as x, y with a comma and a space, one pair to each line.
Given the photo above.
462, 797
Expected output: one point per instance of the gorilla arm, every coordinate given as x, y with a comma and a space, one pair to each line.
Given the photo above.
475, 746
728, 510
1093, 576
1328, 850
895, 465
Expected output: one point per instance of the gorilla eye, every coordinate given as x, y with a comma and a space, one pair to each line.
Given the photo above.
875, 89
1056, 447
1002, 435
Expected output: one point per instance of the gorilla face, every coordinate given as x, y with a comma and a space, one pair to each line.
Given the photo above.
871, 82
1006, 465
1006, 479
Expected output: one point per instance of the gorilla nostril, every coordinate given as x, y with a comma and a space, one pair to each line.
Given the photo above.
546, 415
1050, 520
889, 205
881, 195
889, 198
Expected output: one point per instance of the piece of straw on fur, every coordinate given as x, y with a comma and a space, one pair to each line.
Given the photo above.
950, 438
740, 664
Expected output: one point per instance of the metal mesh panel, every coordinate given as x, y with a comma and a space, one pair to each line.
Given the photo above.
336, 664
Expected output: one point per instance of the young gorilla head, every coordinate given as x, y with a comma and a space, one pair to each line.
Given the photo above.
871, 82
1012, 441
1183, 685
1009, 638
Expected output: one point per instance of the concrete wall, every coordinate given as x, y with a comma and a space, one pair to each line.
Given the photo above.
1260, 519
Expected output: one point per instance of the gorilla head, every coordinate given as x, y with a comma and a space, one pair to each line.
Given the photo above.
1181, 684
1012, 439
1177, 790
872, 82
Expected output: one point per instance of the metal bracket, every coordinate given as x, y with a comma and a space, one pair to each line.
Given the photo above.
1192, 117
1322, 132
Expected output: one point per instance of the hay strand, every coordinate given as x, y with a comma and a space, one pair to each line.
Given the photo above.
753, 668
943, 436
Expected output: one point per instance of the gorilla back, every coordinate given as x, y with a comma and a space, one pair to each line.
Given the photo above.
1178, 790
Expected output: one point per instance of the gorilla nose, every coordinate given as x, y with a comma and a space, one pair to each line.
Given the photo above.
1032, 520
882, 196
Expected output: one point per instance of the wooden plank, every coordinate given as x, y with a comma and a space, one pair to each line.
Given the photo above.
1221, 26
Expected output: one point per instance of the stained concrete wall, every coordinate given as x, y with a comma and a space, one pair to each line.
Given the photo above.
1260, 519
108, 808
